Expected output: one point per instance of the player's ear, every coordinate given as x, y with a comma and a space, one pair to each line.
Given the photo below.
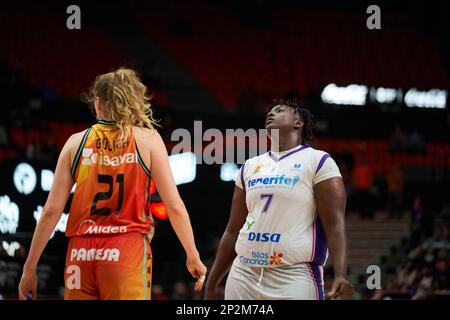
298, 123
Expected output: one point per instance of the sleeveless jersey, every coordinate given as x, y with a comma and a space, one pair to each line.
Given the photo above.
112, 193
282, 226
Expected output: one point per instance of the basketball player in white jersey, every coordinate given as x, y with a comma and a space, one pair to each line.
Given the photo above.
287, 211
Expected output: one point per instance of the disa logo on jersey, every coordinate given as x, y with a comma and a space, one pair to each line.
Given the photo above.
264, 237
90, 157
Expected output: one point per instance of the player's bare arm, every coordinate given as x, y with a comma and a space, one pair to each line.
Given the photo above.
53, 209
225, 252
178, 215
331, 198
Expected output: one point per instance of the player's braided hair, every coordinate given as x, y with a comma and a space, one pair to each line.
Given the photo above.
305, 116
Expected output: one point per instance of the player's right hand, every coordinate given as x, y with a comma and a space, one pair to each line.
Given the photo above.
198, 270
341, 289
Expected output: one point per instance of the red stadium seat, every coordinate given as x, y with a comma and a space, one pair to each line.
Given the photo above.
298, 52
17, 137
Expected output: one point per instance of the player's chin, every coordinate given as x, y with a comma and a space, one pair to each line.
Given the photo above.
271, 126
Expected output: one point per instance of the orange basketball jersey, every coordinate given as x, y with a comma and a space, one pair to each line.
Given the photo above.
112, 193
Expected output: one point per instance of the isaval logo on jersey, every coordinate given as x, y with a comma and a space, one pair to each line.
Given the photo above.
89, 157
296, 167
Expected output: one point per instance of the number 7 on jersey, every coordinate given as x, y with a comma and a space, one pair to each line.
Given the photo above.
268, 197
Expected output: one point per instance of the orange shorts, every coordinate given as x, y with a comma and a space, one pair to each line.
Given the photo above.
108, 267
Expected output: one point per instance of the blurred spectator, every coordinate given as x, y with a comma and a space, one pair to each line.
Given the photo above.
439, 239
392, 290
30, 151
441, 274
428, 257
416, 253
417, 211
378, 295
346, 177
415, 141
20, 253
395, 184
397, 140
3, 252
42, 152
362, 184
49, 151
407, 274
158, 293
3, 136
426, 272
446, 234
397, 257
425, 280
180, 291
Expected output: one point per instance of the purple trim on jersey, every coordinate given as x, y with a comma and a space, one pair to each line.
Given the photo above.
320, 245
322, 161
274, 158
318, 279
242, 176
316, 287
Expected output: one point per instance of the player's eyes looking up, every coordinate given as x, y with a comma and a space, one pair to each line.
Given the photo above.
276, 110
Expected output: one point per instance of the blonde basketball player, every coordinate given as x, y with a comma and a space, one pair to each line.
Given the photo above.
110, 225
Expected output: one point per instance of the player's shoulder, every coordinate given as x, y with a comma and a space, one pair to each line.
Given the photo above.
256, 159
146, 133
149, 140
316, 153
76, 138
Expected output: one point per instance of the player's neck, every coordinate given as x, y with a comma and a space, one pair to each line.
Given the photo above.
104, 119
286, 142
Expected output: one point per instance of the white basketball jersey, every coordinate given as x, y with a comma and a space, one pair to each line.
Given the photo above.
282, 226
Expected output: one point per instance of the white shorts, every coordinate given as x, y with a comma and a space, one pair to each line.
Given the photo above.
297, 282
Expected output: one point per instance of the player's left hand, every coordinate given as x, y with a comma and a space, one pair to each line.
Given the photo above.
341, 289
198, 270
28, 283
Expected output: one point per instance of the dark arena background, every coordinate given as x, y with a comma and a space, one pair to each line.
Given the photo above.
379, 96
